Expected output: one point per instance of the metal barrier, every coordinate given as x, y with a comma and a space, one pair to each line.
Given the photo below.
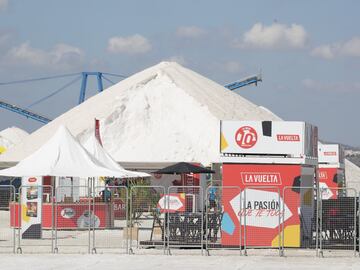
222, 218
110, 204
185, 217
7, 218
74, 219
147, 217
262, 218
35, 219
298, 218
338, 220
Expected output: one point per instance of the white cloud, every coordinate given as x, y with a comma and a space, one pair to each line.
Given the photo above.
3, 4
324, 51
233, 67
349, 48
135, 44
275, 36
61, 56
189, 32
340, 87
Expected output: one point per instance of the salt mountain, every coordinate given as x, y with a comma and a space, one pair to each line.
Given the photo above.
164, 113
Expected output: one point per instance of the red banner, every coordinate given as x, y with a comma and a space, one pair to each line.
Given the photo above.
262, 206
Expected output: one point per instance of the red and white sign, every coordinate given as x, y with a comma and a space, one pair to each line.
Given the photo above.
323, 175
119, 208
288, 138
331, 154
262, 201
246, 137
260, 204
32, 179
170, 203
326, 192
261, 178
328, 182
284, 138
31, 207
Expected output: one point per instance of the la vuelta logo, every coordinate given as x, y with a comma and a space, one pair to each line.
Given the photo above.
261, 178
246, 137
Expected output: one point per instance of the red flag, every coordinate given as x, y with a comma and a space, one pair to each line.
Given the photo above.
97, 131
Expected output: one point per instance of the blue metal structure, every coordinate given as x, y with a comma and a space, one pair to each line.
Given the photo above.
247, 81
83, 76
27, 113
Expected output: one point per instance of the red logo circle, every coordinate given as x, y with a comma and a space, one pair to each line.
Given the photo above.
32, 179
246, 137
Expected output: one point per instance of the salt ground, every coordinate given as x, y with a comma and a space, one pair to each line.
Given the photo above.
178, 262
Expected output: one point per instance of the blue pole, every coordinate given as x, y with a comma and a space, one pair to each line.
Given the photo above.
83, 87
99, 82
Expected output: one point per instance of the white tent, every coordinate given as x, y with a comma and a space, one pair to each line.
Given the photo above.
93, 146
62, 155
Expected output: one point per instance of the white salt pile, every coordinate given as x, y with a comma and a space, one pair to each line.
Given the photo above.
164, 113
352, 175
10, 137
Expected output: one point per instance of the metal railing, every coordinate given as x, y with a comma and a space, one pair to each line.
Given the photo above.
116, 219
7, 218
223, 227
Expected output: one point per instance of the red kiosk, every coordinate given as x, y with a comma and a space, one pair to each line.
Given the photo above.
331, 170
268, 160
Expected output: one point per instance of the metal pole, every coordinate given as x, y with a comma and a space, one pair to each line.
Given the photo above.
240, 217
321, 225
283, 225
207, 220
13, 217
99, 81
52, 218
19, 225
167, 207
201, 193
90, 214
93, 203
130, 219
127, 219
279, 227
56, 249
245, 214
317, 221
355, 211
83, 87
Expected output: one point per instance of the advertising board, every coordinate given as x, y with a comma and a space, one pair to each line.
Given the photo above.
262, 188
31, 207
293, 139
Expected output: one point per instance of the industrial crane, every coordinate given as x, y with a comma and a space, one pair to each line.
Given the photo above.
246, 81
84, 77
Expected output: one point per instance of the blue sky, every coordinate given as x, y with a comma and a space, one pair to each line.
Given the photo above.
308, 52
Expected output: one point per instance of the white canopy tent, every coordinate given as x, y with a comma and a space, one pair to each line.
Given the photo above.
93, 146
62, 156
